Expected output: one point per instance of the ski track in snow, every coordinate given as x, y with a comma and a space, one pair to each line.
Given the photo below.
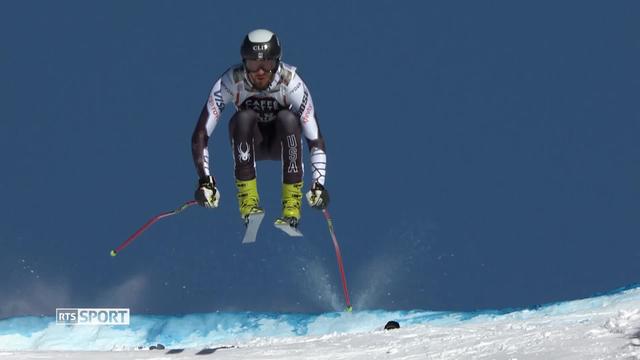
605, 327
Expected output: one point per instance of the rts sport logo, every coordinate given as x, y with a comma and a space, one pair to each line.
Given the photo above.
102, 316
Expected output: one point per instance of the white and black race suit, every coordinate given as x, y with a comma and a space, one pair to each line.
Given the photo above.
268, 125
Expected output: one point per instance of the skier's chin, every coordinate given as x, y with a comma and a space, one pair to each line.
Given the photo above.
260, 83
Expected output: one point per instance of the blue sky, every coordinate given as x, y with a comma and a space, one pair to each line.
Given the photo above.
481, 155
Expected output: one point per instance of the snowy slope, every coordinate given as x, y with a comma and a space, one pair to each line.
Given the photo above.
604, 327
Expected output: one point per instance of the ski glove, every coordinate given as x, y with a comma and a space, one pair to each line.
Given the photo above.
207, 194
318, 196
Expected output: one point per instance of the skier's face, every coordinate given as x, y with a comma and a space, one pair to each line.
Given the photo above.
260, 72
260, 79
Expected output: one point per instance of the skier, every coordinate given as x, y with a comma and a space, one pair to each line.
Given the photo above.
273, 110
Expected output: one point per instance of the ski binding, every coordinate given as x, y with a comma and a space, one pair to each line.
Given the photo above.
289, 228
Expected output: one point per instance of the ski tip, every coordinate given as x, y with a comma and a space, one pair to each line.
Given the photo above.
114, 253
252, 225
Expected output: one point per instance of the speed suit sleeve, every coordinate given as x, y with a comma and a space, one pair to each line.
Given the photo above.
219, 96
302, 106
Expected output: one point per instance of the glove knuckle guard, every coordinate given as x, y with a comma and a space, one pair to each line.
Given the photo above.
207, 194
318, 197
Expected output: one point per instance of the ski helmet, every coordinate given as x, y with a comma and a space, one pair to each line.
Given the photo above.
261, 44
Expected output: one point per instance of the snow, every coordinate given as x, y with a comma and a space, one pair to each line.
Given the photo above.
602, 327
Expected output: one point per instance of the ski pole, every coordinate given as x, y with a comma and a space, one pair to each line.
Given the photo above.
148, 224
338, 258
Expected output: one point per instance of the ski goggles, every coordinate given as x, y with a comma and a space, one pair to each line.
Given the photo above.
268, 65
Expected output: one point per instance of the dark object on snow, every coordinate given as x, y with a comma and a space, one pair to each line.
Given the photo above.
175, 351
211, 351
392, 325
206, 351
156, 347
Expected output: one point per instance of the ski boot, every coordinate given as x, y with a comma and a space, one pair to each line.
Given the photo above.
291, 202
248, 198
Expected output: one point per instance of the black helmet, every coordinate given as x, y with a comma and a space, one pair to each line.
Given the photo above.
261, 44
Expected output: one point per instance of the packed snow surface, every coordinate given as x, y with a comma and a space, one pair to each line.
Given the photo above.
602, 327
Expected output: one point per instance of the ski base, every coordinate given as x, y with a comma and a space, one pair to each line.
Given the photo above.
287, 228
252, 225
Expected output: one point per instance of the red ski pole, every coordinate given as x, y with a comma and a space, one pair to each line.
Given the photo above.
339, 259
148, 224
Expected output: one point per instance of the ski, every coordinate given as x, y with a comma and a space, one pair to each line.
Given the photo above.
287, 227
252, 225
